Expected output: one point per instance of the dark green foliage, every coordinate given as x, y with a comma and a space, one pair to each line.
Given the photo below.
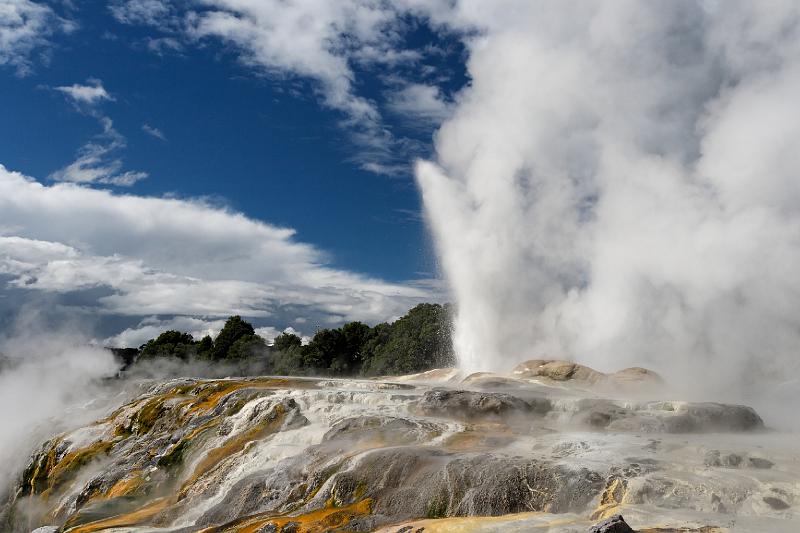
169, 344
234, 329
205, 347
246, 347
287, 342
126, 356
416, 342
336, 351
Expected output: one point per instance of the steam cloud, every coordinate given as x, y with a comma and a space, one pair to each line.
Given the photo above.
619, 185
50, 381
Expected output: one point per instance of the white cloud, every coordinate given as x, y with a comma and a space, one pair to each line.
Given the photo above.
98, 162
152, 326
417, 101
166, 256
90, 94
154, 132
163, 45
153, 12
25, 29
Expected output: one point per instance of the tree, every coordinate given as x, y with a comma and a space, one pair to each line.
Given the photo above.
418, 341
246, 347
234, 329
205, 347
348, 357
171, 343
287, 354
287, 342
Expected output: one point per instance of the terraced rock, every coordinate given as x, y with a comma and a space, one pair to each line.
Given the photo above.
277, 454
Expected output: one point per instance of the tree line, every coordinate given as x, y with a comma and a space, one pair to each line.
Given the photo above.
418, 341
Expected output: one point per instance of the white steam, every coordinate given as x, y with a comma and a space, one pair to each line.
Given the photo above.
620, 185
49, 381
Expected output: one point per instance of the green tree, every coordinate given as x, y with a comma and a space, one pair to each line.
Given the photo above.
205, 347
318, 354
287, 354
234, 329
246, 347
171, 343
287, 342
418, 341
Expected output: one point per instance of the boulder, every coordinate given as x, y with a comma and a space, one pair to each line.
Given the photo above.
759, 462
717, 459
489, 380
669, 417
636, 376
557, 370
615, 524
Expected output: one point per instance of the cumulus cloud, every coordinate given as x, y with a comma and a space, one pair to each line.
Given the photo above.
152, 326
168, 256
25, 30
91, 93
619, 184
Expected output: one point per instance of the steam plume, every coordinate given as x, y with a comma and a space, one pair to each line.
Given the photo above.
620, 185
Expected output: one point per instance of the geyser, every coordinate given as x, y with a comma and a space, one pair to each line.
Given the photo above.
619, 185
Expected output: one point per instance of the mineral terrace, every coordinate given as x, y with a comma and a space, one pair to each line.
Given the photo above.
554, 446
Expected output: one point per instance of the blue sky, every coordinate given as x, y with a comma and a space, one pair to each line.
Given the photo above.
165, 104
262, 144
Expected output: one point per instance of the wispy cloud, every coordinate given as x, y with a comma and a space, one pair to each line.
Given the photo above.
152, 12
331, 44
154, 132
98, 161
419, 102
302, 39
163, 45
89, 94
25, 31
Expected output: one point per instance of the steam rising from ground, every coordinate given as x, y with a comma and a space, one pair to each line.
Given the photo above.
49, 381
620, 185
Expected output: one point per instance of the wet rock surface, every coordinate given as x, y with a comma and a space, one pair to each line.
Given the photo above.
286, 454
472, 405
615, 524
